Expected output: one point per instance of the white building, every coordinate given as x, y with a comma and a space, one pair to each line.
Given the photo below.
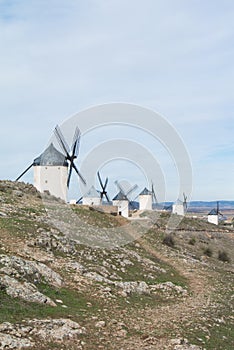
179, 208
92, 197
145, 200
121, 201
51, 173
213, 217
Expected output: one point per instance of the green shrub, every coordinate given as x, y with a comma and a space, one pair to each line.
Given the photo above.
192, 241
169, 241
223, 256
208, 252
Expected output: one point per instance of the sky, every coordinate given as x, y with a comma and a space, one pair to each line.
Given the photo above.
175, 57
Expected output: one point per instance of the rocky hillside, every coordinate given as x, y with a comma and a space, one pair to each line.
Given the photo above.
160, 291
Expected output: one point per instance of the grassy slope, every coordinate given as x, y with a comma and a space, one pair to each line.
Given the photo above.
86, 305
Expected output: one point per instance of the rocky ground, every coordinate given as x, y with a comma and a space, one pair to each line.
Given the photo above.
162, 290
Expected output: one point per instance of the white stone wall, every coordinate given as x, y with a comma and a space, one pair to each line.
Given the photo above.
145, 202
213, 219
91, 201
178, 209
52, 179
122, 207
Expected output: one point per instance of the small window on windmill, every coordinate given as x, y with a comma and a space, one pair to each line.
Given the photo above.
46, 181
46, 167
59, 168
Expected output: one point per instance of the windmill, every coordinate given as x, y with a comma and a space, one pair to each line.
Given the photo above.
214, 215
103, 192
128, 193
92, 197
180, 207
71, 154
51, 173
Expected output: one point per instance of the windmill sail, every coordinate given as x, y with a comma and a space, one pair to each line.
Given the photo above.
24, 172
103, 192
154, 198
185, 200
75, 150
128, 193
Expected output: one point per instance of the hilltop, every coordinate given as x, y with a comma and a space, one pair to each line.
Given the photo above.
163, 290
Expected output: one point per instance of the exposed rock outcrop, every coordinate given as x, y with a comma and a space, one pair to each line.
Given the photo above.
19, 336
29, 270
24, 290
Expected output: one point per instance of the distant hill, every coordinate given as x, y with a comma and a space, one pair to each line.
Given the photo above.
212, 204
204, 204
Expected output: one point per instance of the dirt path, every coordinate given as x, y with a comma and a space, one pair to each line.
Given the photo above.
155, 323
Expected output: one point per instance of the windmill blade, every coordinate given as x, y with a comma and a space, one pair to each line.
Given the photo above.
76, 147
69, 175
24, 172
76, 135
107, 198
78, 201
78, 173
106, 182
61, 140
120, 187
132, 189
100, 180
153, 194
76, 142
218, 212
132, 204
185, 200
154, 198
103, 192
74, 151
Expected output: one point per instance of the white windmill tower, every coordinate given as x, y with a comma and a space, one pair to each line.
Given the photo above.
214, 215
52, 171
122, 200
145, 199
179, 207
92, 197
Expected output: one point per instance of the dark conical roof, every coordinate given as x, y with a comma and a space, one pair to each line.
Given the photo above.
120, 197
213, 212
51, 156
92, 193
145, 192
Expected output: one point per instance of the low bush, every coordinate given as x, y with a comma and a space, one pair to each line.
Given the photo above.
208, 252
192, 241
223, 256
169, 241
